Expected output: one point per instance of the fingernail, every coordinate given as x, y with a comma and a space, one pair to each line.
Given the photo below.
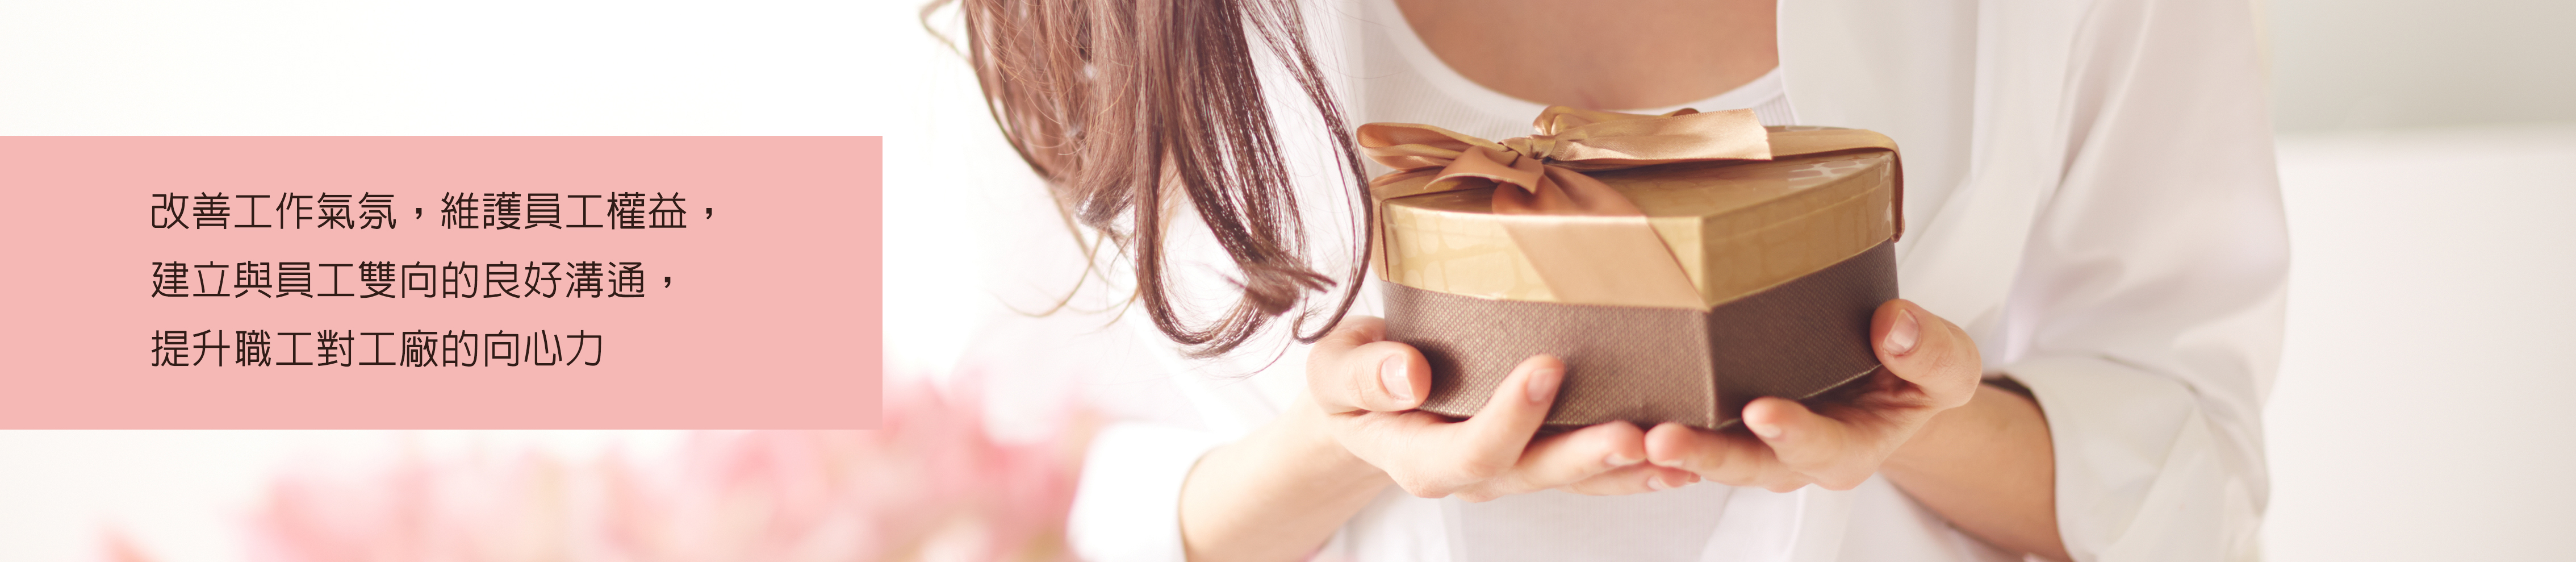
1656, 483
1620, 460
1901, 335
1767, 431
1542, 386
1391, 376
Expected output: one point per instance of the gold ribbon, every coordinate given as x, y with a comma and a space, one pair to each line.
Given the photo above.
1589, 243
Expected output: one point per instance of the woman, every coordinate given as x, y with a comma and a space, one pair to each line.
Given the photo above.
2093, 280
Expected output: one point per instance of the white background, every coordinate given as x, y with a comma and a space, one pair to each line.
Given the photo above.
2427, 152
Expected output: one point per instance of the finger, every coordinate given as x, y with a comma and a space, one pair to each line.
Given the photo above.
1729, 458
1489, 444
1518, 405
1353, 369
1403, 377
1432, 457
1633, 479
1567, 458
1830, 452
1928, 351
1417, 449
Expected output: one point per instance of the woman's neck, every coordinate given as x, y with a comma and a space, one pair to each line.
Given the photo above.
1602, 54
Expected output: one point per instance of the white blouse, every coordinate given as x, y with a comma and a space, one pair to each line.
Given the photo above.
2089, 190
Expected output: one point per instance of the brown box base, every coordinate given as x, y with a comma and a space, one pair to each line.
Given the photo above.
1653, 365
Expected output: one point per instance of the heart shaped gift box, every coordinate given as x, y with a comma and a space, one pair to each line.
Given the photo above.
1680, 265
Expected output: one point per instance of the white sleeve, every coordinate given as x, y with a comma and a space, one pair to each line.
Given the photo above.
1127, 506
2147, 316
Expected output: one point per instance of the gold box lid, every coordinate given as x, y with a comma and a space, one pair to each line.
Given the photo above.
1736, 228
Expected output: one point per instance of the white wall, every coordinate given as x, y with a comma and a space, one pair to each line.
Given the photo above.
2422, 410
2425, 157
2366, 64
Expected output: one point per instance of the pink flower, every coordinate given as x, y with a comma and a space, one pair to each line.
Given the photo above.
931, 484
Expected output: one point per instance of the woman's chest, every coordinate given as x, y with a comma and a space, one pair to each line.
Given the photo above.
1606, 54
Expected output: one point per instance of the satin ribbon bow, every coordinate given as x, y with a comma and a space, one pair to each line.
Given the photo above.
1543, 170
1588, 242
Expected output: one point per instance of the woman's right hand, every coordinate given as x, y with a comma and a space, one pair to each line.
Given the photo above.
1368, 388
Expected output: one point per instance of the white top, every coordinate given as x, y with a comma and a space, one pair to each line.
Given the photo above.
2090, 191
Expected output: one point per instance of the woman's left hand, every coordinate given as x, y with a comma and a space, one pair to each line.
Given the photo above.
1930, 366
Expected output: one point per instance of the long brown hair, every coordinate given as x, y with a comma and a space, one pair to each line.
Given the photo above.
1118, 103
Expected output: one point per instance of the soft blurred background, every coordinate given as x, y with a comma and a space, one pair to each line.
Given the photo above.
2427, 149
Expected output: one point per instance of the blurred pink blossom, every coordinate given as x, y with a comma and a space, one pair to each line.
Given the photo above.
930, 485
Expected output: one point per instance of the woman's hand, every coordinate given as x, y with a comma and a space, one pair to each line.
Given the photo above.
1929, 366
1281, 491
1368, 388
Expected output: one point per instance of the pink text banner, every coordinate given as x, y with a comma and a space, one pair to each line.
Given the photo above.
441, 282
